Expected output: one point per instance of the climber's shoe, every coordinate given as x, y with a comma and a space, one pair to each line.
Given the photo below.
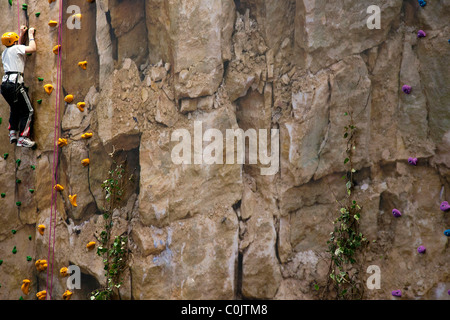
396, 213
25, 142
445, 206
13, 136
412, 161
421, 249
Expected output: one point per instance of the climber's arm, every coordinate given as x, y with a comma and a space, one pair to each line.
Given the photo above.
22, 37
32, 44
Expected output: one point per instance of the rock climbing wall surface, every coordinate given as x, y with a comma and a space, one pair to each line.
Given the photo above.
136, 71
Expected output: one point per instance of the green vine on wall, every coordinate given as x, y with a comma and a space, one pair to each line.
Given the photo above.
346, 240
113, 251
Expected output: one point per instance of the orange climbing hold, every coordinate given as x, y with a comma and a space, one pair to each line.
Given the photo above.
50, 1
73, 200
90, 1
48, 88
85, 162
42, 295
62, 142
25, 286
67, 295
81, 105
57, 49
68, 98
52, 23
64, 272
82, 64
41, 265
58, 187
87, 135
90, 245
41, 229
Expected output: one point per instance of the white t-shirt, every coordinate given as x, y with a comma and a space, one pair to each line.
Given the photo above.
13, 60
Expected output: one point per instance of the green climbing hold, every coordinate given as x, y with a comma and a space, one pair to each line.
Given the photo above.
40, 79
21, 298
18, 181
31, 190
10, 2
3, 195
13, 231
24, 6
29, 238
1, 261
29, 54
18, 161
5, 156
37, 14
14, 250
18, 203
33, 167
39, 101
1, 120
29, 258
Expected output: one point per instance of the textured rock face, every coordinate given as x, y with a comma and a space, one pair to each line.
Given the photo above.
224, 230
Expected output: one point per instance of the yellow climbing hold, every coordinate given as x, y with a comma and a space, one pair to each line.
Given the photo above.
48, 88
82, 64
52, 23
87, 135
77, 16
25, 286
90, 245
56, 49
68, 98
67, 295
41, 295
64, 271
81, 105
85, 162
41, 229
62, 142
58, 187
41, 265
73, 200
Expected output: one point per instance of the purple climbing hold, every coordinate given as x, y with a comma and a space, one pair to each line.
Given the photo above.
406, 89
445, 206
421, 249
397, 293
396, 213
448, 292
421, 34
412, 161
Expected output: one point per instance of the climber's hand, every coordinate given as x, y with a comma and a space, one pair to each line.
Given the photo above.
31, 32
23, 29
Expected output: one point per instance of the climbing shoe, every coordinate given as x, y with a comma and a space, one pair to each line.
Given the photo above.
25, 142
12, 136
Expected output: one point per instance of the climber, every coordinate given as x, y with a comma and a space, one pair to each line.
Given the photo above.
13, 89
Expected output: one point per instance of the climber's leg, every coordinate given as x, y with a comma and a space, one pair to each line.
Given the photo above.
26, 113
8, 92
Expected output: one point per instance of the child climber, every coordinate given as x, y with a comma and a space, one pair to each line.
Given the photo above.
13, 89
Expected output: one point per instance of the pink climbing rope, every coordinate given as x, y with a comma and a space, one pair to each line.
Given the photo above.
51, 241
18, 17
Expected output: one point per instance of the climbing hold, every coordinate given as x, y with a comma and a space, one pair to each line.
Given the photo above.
85, 162
41, 229
90, 1
412, 161
62, 142
67, 295
29, 238
10, 2
18, 181
18, 161
1, 119
40, 79
3, 195
25, 286
81, 105
57, 49
447, 232
37, 14
87, 135
52, 23
73, 200
29, 54
422, 3
18, 203
421, 34
68, 98
24, 7
50, 1
77, 16
13, 231
406, 89
64, 272
445, 206
31, 190
42, 295
33, 167
41, 265
397, 293
82, 64
396, 213
1, 261
39, 101
14, 250
29, 258
421, 249
90, 245
5, 156
48, 88
58, 187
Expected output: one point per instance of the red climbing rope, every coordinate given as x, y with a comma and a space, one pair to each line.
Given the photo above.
53, 215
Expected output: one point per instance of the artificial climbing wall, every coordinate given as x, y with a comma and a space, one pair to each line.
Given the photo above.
225, 231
